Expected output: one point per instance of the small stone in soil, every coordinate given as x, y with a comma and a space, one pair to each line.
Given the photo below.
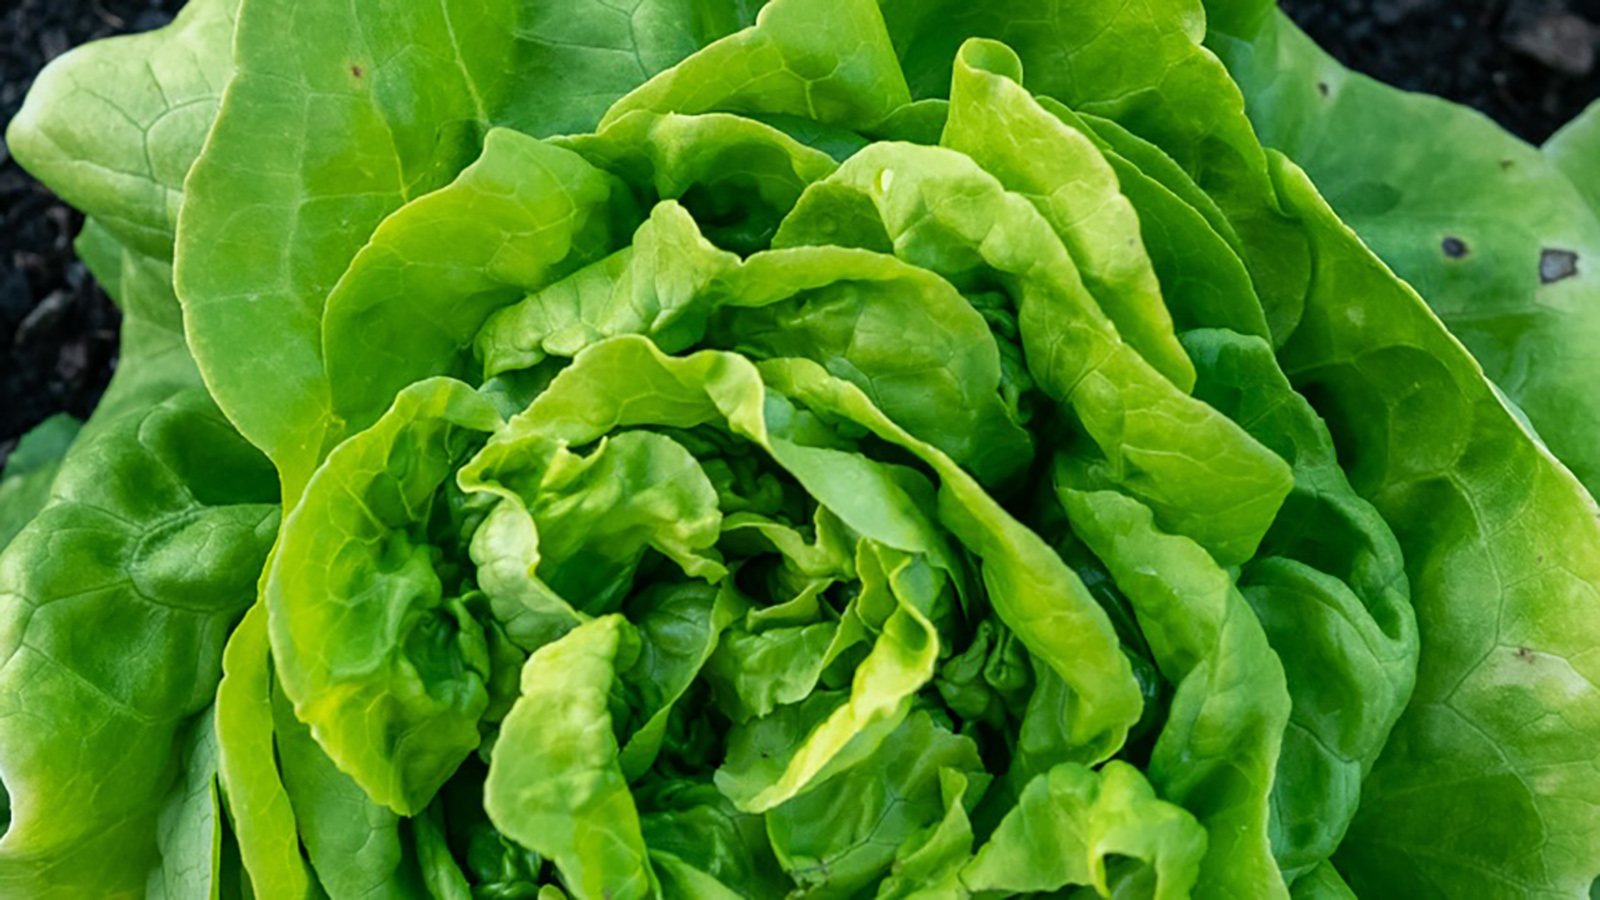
1557, 39
43, 319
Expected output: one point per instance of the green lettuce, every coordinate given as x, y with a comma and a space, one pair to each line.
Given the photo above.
827, 448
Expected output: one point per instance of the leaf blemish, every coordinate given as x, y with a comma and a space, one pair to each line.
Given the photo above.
1524, 654
1322, 88
355, 70
1554, 265
1454, 247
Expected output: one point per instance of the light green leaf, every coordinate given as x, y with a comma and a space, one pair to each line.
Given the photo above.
999, 126
1201, 473
590, 519
521, 216
1330, 589
1143, 66
900, 663
1218, 748
258, 806
1037, 597
900, 333
1071, 818
555, 784
1192, 246
825, 60
847, 833
655, 286
372, 639
355, 845
626, 382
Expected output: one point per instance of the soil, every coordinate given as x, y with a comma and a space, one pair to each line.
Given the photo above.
1529, 64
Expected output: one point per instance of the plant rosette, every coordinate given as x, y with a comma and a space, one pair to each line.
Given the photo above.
836, 449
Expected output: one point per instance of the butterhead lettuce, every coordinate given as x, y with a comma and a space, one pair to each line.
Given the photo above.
824, 448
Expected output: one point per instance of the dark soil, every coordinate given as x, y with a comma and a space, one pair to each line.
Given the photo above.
58, 331
1529, 64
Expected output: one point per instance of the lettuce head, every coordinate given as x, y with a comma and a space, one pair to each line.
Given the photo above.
824, 448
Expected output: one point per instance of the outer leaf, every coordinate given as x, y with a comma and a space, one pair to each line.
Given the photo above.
154, 367
154, 363
189, 830
338, 115
1572, 149
156, 532
29, 470
1492, 762
1491, 232
114, 126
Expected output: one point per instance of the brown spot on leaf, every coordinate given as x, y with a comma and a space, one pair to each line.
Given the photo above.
356, 71
1506, 164
1555, 265
1453, 247
1524, 654
1322, 88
